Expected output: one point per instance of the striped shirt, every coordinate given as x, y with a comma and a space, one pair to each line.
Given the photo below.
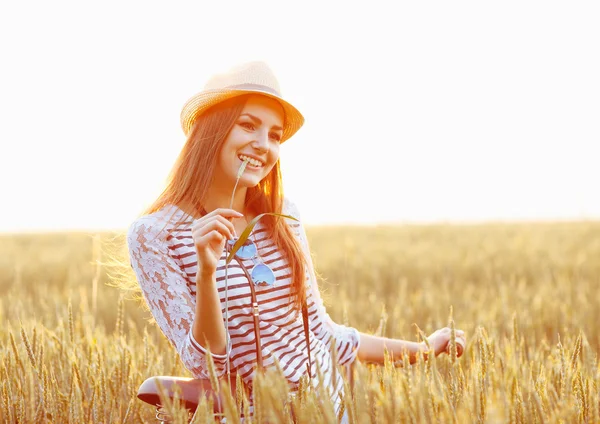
164, 259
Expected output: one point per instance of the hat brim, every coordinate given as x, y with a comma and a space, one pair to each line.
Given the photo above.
202, 101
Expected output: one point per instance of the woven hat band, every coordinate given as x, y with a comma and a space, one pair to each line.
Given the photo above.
254, 87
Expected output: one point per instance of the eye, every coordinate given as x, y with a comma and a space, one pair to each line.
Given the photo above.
247, 125
275, 136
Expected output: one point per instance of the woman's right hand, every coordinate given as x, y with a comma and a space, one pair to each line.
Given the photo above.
210, 234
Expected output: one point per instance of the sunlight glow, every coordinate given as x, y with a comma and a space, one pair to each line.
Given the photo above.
428, 112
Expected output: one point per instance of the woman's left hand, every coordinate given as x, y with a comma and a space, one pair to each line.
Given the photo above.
439, 340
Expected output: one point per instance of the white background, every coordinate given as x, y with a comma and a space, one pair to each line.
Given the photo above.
429, 111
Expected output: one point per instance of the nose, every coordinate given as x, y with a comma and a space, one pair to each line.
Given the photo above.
261, 142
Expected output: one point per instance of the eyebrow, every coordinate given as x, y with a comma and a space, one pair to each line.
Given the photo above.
255, 118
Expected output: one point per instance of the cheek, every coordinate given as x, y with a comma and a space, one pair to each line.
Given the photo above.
226, 159
274, 153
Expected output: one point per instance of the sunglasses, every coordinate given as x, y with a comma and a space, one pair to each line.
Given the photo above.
261, 274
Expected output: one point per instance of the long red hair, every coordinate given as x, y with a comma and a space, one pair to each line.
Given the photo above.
193, 172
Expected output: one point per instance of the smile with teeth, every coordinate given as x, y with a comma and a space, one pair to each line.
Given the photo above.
251, 161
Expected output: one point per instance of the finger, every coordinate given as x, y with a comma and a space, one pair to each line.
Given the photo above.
223, 229
460, 346
212, 236
227, 224
219, 218
211, 217
200, 229
213, 225
227, 213
459, 340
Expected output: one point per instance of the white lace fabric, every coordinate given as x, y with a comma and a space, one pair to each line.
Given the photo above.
156, 248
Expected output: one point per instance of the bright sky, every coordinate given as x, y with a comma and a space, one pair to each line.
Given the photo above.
428, 111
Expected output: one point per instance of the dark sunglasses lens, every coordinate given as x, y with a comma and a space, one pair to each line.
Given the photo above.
262, 275
247, 251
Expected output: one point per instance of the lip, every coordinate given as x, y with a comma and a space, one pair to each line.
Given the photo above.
263, 161
251, 167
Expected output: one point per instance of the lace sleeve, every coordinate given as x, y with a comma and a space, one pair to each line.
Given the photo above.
164, 287
347, 338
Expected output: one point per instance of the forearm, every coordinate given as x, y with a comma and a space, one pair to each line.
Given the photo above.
208, 328
372, 348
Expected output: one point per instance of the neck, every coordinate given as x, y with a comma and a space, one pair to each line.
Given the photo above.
218, 198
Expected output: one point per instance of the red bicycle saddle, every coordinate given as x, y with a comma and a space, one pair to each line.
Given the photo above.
190, 390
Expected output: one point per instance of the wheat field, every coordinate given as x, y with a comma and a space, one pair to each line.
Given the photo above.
74, 349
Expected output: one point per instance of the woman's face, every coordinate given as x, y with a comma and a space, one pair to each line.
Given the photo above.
256, 134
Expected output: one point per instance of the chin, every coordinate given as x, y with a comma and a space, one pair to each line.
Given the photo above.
249, 181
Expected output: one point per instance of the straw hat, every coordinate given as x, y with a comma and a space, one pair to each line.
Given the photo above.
251, 77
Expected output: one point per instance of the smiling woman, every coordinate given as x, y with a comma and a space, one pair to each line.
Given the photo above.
263, 309
254, 136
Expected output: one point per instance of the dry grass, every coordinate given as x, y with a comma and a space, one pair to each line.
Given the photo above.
527, 295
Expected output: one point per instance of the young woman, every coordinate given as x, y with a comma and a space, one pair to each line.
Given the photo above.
178, 248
